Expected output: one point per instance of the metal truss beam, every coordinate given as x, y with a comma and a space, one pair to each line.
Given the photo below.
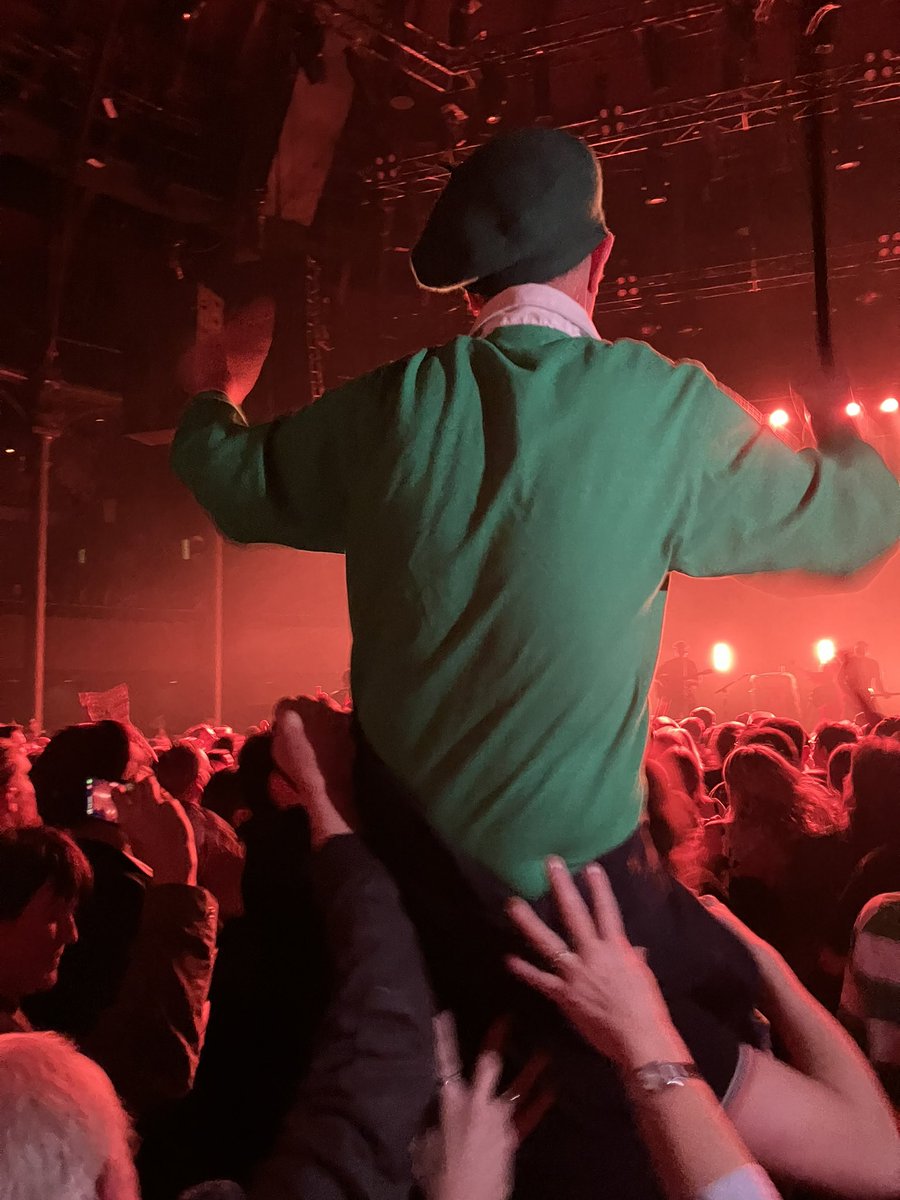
680, 121
742, 278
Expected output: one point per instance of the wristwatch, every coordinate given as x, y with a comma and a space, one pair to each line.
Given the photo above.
656, 1076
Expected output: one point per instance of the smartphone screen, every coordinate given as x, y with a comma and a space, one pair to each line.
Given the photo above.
100, 799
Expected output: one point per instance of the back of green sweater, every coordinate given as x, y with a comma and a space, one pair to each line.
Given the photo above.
510, 508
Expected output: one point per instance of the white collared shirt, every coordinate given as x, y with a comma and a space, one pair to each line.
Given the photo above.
535, 304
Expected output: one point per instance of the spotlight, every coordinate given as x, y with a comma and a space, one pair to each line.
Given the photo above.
722, 657
853, 409
655, 185
10, 450
847, 147
778, 418
889, 405
825, 651
493, 92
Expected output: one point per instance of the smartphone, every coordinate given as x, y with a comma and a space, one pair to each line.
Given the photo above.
100, 798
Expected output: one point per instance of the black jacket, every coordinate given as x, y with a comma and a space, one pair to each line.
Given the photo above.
371, 1080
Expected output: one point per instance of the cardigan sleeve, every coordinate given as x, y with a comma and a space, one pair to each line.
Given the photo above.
751, 504
280, 482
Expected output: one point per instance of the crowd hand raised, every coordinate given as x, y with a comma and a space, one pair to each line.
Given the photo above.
313, 748
597, 979
470, 1155
158, 832
231, 360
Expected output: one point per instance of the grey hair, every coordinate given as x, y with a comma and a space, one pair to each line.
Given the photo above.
63, 1130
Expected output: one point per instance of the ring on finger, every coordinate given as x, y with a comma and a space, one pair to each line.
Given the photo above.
561, 955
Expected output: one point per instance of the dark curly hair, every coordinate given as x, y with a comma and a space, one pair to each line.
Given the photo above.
33, 857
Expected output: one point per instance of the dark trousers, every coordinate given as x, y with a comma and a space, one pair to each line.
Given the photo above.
587, 1146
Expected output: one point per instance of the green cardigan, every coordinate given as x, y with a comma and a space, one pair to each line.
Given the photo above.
510, 508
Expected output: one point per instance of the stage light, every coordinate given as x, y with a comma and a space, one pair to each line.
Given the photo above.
825, 651
779, 418
853, 409
10, 450
655, 185
890, 404
722, 657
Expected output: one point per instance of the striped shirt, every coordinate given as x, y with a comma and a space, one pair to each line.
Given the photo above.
870, 1001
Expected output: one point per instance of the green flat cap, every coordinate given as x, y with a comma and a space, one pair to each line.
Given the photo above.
523, 208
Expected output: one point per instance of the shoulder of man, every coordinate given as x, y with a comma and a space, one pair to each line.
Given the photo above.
382, 380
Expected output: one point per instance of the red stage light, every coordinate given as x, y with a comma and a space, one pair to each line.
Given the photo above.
779, 418
853, 409
890, 404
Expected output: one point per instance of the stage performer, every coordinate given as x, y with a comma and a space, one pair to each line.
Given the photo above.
677, 679
511, 505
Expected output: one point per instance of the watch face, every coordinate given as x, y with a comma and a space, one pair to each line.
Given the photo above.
656, 1076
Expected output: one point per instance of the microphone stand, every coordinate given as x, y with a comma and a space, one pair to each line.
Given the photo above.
730, 685
723, 691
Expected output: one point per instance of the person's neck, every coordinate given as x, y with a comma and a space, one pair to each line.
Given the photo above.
578, 295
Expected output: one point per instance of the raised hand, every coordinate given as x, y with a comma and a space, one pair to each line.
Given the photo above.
313, 749
158, 832
230, 361
470, 1155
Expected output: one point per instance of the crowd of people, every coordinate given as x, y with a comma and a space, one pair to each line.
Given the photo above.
210, 983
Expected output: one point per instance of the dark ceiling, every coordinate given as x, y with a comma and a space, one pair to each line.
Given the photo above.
137, 136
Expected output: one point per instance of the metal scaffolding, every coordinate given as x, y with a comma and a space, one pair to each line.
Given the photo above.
677, 122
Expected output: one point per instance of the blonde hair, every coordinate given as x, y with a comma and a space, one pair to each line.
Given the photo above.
63, 1129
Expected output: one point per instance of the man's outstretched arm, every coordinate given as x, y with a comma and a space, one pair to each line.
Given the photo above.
276, 482
751, 504
267, 483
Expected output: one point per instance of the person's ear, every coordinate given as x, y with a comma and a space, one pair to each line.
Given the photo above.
599, 259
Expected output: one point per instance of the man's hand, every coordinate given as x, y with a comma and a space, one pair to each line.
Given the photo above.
820, 407
159, 832
231, 361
